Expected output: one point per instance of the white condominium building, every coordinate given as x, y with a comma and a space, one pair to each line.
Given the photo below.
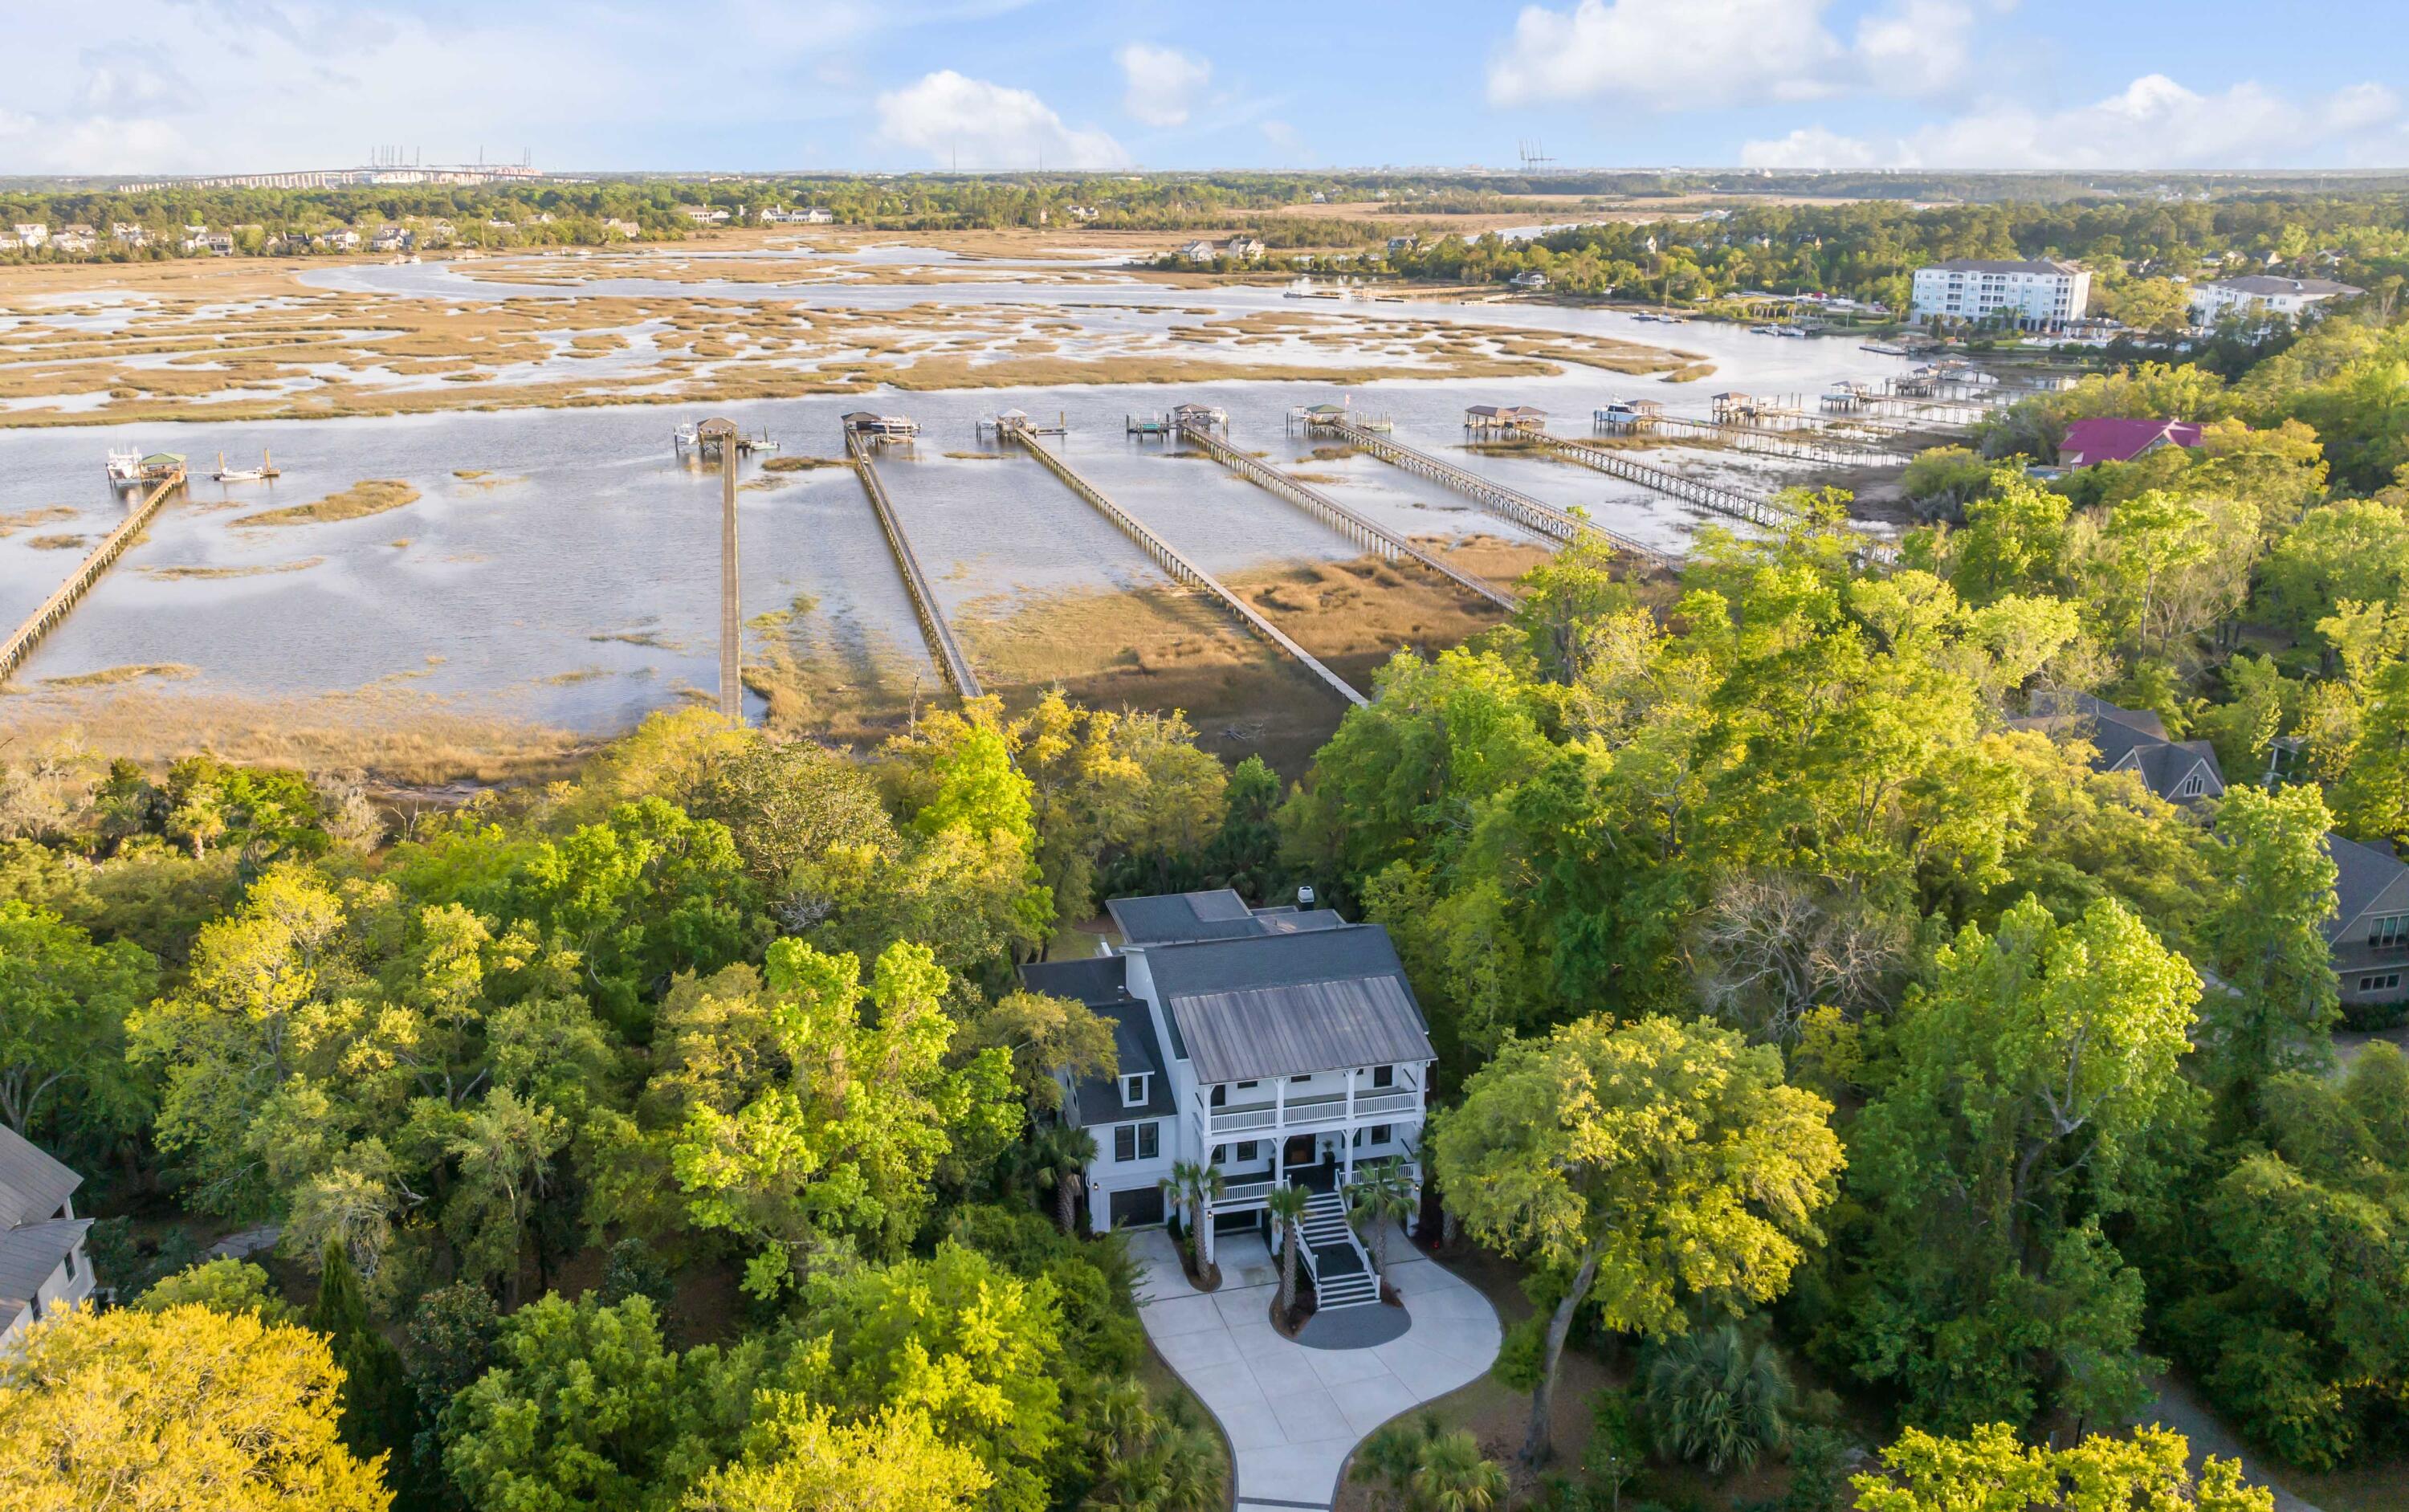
2031, 296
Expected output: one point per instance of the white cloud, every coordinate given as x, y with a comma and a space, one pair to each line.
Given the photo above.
971, 124
2153, 122
1164, 82
1696, 54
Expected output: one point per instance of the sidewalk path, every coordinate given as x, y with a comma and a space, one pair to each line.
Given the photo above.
2178, 1408
1294, 1413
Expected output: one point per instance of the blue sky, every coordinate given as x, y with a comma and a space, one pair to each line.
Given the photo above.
250, 85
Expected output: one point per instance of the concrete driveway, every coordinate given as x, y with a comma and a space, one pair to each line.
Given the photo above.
1293, 1414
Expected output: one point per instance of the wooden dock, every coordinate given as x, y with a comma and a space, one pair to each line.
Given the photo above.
1753, 508
1339, 516
943, 649
1521, 507
1170, 559
1797, 445
56, 607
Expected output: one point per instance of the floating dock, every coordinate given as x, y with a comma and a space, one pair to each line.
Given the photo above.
1170, 559
54, 609
1521, 507
1339, 516
943, 649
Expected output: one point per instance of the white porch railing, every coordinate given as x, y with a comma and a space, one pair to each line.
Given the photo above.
1316, 1109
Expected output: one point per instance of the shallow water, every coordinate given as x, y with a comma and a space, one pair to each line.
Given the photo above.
583, 590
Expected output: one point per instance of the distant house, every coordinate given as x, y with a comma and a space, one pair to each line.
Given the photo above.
1197, 252
127, 234
805, 215
10, 241
2369, 931
704, 214
1407, 243
2257, 296
43, 1267
2090, 442
2130, 740
624, 230
74, 238
32, 233
1532, 280
1243, 249
391, 238
342, 238
210, 244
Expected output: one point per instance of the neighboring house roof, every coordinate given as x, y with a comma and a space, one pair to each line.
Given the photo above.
2091, 441
2130, 740
2363, 874
28, 1257
1098, 982
1988, 265
2262, 285
1222, 914
1289, 1004
33, 1186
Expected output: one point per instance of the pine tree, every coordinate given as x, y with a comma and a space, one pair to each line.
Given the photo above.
378, 1410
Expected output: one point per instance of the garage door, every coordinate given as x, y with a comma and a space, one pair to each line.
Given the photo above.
1137, 1206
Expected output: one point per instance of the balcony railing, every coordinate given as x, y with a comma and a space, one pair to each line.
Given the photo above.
1317, 1110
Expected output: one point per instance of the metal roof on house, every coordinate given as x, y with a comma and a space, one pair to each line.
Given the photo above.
33, 1186
1289, 1004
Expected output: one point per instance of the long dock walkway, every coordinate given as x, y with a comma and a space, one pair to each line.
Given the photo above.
1521, 507
1172, 561
1792, 445
943, 649
1339, 516
1753, 508
54, 609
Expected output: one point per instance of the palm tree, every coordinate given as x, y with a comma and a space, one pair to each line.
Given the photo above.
1718, 1396
1379, 1195
1427, 1469
1452, 1475
1194, 1187
1286, 1204
1057, 1159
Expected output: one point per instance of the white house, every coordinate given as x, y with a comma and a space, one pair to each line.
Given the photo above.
43, 1266
1279, 1045
32, 233
2030, 295
1197, 252
2257, 296
1243, 249
342, 238
704, 214
808, 215
1530, 281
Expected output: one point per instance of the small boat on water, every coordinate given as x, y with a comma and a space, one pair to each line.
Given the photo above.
1883, 348
265, 470
1763, 330
1796, 333
125, 466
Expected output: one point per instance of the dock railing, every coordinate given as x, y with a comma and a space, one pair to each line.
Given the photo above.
943, 649
1521, 507
56, 608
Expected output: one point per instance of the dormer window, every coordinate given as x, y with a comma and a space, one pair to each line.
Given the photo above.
2193, 786
1134, 1090
2387, 931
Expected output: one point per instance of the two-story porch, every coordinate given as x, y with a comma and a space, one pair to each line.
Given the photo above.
1311, 1130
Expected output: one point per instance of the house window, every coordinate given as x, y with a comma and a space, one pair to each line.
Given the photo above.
1248, 1086
1149, 1141
2385, 982
1306, 1077
1125, 1142
1380, 1134
1220, 1098
1384, 1075
1134, 1090
1245, 1150
2193, 786
1219, 1152
2389, 931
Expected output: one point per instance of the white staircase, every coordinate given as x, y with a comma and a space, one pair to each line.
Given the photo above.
1341, 1271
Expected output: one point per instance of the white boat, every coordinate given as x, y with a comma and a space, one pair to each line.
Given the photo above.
125, 466
1794, 332
686, 434
261, 474
1883, 348
763, 443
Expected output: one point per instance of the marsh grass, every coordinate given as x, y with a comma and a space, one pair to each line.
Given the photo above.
374, 496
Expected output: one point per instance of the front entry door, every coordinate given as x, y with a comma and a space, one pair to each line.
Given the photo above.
1297, 1152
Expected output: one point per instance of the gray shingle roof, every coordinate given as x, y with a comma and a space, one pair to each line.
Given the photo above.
2134, 738
28, 1255
1284, 1005
33, 1186
1097, 982
2362, 874
2263, 285
1209, 916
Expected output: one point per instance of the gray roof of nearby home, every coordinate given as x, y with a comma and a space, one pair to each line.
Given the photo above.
2263, 285
1222, 914
28, 1256
33, 1186
2362, 874
1288, 1004
2125, 739
1097, 981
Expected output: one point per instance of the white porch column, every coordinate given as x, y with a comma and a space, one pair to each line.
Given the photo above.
1352, 1073
1203, 1218
1280, 1105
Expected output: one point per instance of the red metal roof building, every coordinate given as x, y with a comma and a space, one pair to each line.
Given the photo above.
2089, 442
